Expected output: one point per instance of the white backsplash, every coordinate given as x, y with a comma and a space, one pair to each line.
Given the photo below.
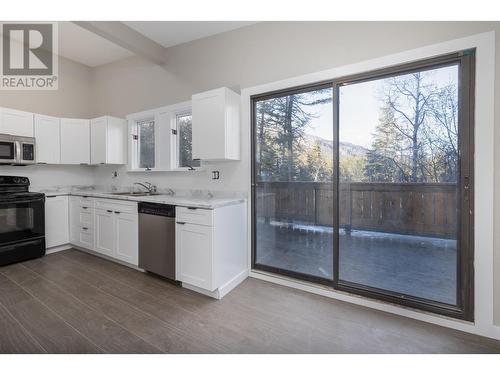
233, 181
52, 175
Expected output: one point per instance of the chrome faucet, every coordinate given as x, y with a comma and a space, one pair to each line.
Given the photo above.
170, 192
148, 186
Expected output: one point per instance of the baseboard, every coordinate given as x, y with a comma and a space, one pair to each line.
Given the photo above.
91, 252
233, 283
55, 249
214, 294
223, 290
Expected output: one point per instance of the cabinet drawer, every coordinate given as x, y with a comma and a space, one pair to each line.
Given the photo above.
83, 218
83, 201
116, 205
200, 216
84, 228
82, 236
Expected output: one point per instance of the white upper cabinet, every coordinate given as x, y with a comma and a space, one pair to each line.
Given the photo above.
16, 122
48, 139
216, 125
75, 141
108, 140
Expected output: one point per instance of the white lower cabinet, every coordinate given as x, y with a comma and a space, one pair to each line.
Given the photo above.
210, 250
126, 237
107, 226
104, 230
56, 221
117, 230
195, 255
81, 210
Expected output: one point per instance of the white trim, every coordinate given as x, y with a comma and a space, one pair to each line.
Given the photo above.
56, 249
171, 111
205, 292
114, 260
483, 162
178, 110
233, 283
133, 144
223, 290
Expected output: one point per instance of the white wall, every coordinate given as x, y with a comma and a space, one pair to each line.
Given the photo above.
73, 99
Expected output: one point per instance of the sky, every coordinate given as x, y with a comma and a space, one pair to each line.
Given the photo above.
359, 109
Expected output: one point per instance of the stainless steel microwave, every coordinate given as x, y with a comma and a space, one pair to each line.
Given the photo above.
15, 150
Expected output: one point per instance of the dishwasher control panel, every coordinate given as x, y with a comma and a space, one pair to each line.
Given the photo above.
156, 209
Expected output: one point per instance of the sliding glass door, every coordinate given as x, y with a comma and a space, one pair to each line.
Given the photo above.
365, 184
293, 183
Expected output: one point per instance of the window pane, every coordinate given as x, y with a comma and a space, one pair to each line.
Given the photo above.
185, 148
398, 184
294, 189
146, 133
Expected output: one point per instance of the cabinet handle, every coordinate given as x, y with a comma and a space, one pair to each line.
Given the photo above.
192, 208
109, 211
84, 207
181, 222
85, 228
117, 212
50, 196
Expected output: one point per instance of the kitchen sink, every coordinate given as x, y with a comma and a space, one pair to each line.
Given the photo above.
135, 193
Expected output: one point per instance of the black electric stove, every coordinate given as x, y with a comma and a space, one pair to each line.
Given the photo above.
22, 221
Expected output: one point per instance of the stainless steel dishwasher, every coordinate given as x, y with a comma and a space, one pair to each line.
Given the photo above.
157, 238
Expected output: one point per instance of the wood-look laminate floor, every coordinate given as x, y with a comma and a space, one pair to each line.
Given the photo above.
73, 302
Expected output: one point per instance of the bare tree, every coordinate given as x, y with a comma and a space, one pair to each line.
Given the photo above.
411, 99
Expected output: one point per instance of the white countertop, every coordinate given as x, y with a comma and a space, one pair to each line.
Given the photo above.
184, 201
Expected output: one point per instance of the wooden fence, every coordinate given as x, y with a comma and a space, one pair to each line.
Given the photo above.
409, 208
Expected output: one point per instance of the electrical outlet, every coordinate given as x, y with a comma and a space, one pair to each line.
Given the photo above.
215, 175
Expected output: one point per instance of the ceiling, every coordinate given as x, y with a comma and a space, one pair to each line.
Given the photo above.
85, 47
171, 33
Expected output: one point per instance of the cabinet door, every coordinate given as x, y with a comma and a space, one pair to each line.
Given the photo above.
116, 141
75, 141
56, 221
48, 140
104, 232
98, 140
73, 221
126, 238
16, 122
194, 255
209, 125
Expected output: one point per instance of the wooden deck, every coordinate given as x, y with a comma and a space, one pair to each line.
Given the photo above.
424, 267
411, 208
